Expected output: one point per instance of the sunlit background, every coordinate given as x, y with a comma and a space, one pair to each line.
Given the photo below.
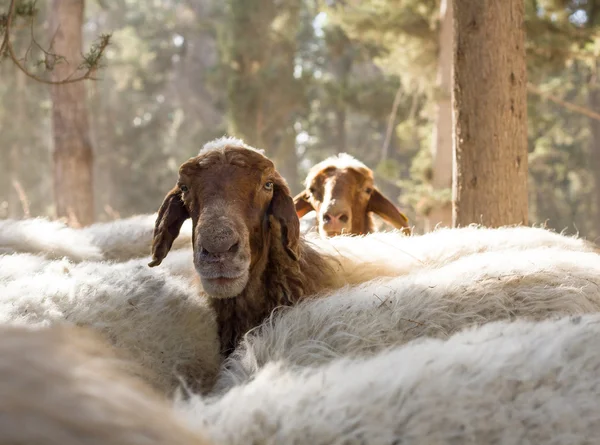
303, 80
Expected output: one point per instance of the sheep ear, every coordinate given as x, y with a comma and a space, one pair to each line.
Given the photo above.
171, 216
282, 207
302, 203
383, 207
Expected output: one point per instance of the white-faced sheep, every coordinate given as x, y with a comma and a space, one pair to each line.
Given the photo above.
118, 240
163, 322
362, 320
341, 190
503, 383
65, 386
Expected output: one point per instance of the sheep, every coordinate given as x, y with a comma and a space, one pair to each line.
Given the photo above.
357, 259
118, 240
362, 320
247, 247
341, 191
65, 386
507, 383
391, 254
163, 322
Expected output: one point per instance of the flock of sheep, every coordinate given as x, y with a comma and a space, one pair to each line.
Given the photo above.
241, 328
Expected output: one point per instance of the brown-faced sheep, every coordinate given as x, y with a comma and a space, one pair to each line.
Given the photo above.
342, 192
246, 240
65, 386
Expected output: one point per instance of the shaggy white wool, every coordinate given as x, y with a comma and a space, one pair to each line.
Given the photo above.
39, 235
63, 386
118, 240
504, 383
128, 238
339, 161
160, 319
393, 253
222, 142
362, 320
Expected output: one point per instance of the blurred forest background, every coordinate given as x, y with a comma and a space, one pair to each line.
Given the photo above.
303, 79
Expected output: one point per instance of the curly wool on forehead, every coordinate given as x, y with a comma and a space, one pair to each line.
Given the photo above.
234, 151
340, 161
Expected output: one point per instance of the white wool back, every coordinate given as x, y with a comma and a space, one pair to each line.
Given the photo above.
159, 318
390, 254
393, 253
503, 383
128, 238
52, 238
118, 240
362, 320
63, 386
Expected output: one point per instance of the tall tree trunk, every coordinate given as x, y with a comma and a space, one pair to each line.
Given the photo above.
73, 178
594, 104
441, 213
15, 207
490, 113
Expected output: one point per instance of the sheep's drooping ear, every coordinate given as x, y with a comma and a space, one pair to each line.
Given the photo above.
383, 207
282, 207
302, 203
171, 216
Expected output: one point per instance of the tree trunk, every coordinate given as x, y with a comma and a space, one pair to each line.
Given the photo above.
490, 113
594, 104
441, 213
15, 207
73, 178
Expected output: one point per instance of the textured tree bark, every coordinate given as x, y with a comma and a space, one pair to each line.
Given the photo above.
490, 113
594, 104
73, 178
441, 213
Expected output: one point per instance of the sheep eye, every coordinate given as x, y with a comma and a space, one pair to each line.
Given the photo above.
184, 188
311, 190
269, 185
369, 190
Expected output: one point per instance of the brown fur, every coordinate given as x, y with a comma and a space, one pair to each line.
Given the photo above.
228, 198
65, 386
344, 186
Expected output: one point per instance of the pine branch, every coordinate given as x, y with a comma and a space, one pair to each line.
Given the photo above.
26, 9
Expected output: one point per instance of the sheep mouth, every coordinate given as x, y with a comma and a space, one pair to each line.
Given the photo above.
224, 285
223, 279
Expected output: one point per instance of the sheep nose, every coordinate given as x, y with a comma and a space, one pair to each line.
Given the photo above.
336, 222
215, 247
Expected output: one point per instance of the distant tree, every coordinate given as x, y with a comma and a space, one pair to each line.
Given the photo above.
490, 113
73, 156
441, 168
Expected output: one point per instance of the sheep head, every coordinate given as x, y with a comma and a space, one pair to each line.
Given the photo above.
235, 198
342, 192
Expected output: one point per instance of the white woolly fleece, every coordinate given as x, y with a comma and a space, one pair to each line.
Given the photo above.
390, 254
503, 383
159, 319
118, 240
393, 253
363, 320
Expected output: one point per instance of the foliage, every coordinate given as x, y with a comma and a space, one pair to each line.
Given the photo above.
304, 80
